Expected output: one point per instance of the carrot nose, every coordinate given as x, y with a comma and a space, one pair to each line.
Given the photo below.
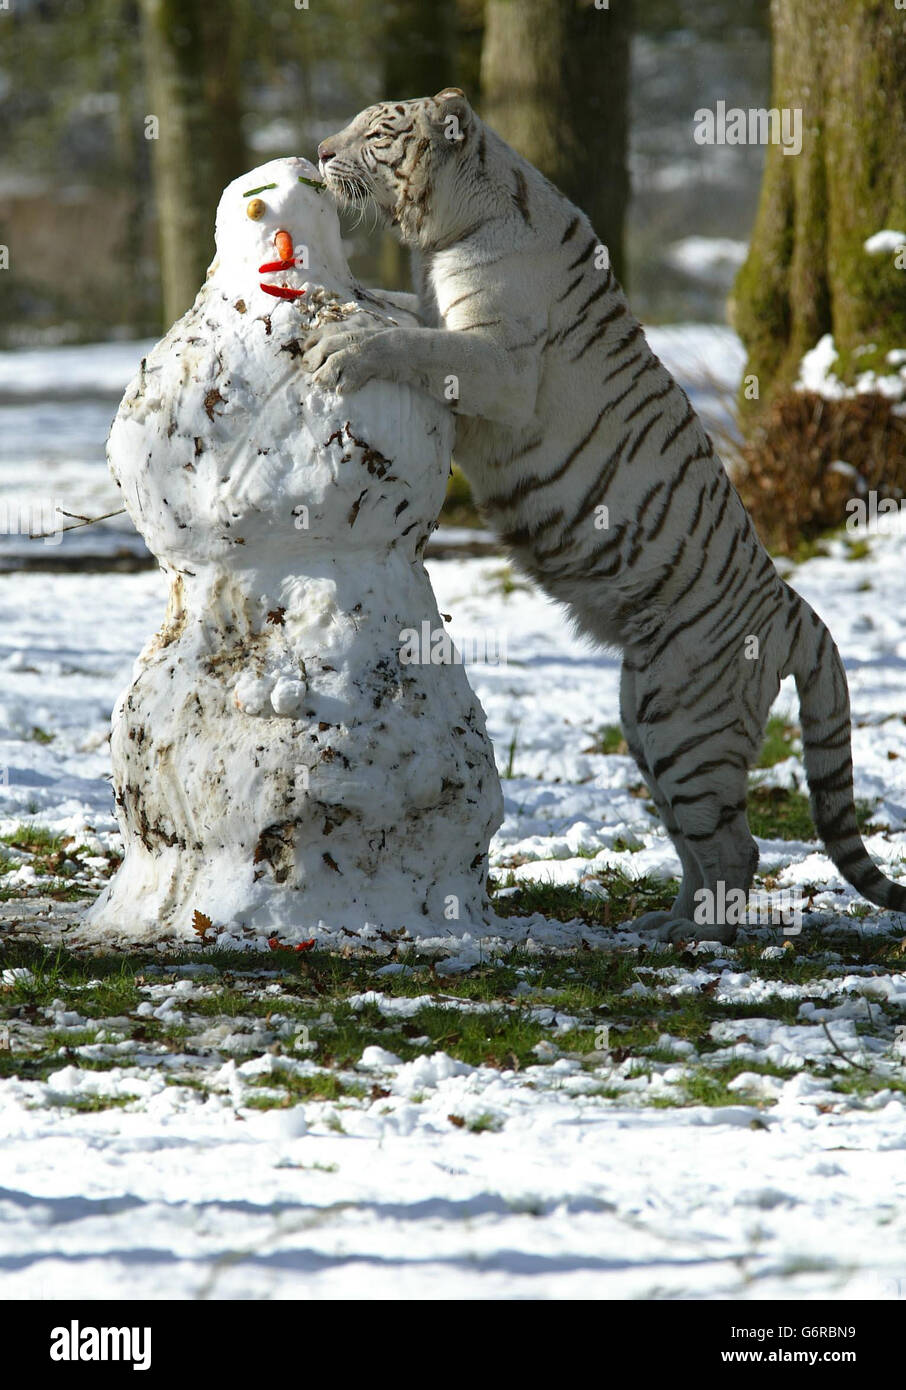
284, 244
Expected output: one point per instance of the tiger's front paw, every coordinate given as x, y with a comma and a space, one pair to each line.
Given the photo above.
339, 360
344, 371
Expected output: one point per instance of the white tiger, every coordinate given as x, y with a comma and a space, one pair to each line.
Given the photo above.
589, 459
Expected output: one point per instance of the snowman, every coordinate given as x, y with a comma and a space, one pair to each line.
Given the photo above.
285, 763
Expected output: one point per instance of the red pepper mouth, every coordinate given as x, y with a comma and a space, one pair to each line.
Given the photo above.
283, 242
281, 291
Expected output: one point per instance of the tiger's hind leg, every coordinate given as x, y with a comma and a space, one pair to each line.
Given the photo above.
701, 777
692, 878
728, 858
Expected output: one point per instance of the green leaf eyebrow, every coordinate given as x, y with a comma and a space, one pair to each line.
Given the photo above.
312, 183
252, 191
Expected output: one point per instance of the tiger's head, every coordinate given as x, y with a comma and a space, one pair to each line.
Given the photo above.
412, 161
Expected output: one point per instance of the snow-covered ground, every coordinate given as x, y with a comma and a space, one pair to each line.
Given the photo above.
579, 1184
179, 1198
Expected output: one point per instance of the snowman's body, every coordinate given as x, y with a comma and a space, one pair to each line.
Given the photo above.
277, 767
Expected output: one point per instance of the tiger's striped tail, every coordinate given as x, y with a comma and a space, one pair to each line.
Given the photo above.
827, 752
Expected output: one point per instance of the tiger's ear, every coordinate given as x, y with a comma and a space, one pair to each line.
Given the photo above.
453, 102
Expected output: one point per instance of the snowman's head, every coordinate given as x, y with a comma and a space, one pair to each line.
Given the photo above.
278, 217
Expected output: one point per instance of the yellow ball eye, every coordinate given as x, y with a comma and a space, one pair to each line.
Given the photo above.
256, 209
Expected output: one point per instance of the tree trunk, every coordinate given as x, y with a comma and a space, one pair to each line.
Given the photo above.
555, 77
137, 291
192, 55
417, 45
843, 62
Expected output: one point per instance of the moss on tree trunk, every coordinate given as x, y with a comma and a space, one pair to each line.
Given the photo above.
843, 62
554, 78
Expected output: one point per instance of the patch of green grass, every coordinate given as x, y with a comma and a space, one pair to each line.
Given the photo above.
509, 770
193, 1083
38, 1066
175, 1033
225, 1002
795, 967
562, 902
779, 742
275, 1101
627, 897
778, 813
90, 1105
864, 1084
499, 1037
859, 549
39, 735
97, 986
459, 509
83, 1037
69, 893
730, 1070
805, 961
711, 1086
810, 549
322, 1085
865, 815
608, 740
33, 838
701, 1087
53, 856
636, 1023
505, 583
484, 1123
110, 997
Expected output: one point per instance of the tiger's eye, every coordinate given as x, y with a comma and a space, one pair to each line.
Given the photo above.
256, 209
